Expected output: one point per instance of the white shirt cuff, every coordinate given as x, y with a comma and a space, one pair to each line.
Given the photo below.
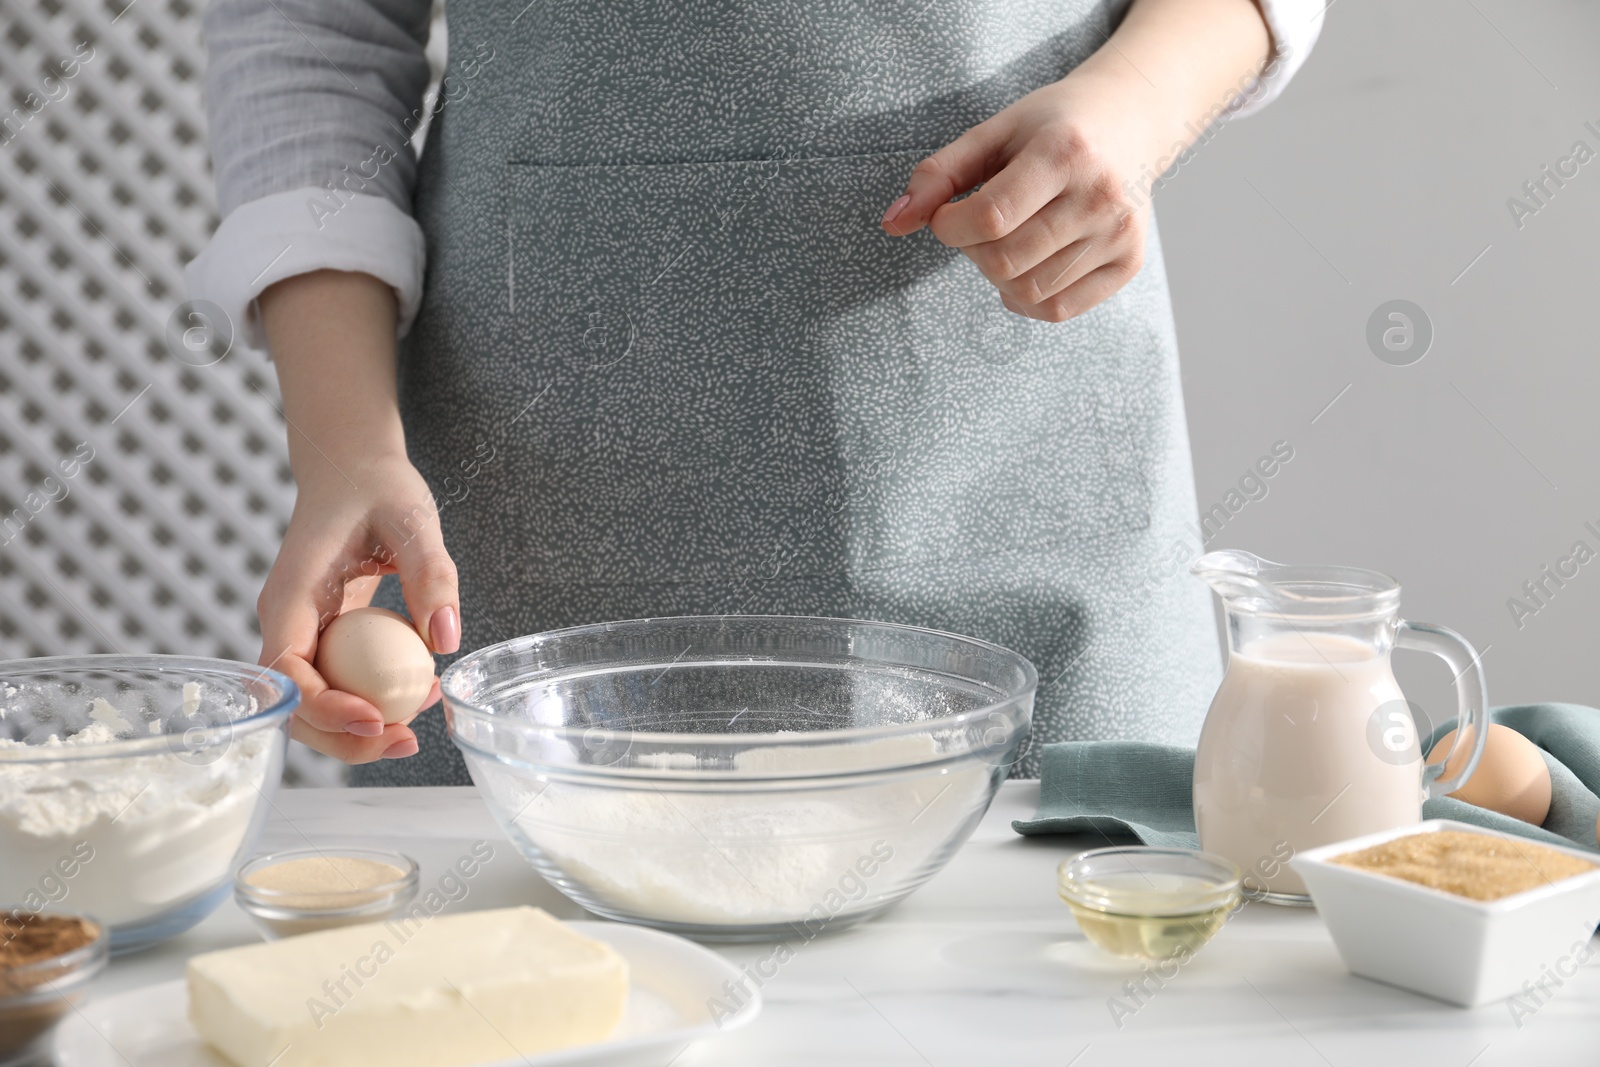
279, 236
1294, 25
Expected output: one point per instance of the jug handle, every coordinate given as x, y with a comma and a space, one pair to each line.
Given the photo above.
1471, 708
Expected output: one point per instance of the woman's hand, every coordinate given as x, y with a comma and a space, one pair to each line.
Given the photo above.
1059, 222
342, 537
362, 509
1054, 227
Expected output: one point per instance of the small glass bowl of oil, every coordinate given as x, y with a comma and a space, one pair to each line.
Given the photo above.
1149, 903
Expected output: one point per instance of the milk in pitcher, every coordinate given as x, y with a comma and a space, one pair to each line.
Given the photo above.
1286, 762
1309, 740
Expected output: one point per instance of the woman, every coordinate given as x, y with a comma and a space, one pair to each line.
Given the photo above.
708, 325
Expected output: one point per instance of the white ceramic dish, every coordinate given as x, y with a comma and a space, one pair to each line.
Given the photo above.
1467, 952
672, 982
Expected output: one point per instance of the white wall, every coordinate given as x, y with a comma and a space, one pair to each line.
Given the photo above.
1393, 155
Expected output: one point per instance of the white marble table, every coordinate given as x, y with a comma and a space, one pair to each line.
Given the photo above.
983, 965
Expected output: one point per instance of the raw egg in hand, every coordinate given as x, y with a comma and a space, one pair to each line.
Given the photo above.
377, 655
1511, 778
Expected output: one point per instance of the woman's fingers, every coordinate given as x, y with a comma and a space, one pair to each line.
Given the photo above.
344, 535
1057, 273
400, 745
350, 729
325, 712
394, 742
1083, 294
1039, 198
1056, 227
300, 595
296, 600
428, 580
1071, 236
1029, 181
333, 711
967, 161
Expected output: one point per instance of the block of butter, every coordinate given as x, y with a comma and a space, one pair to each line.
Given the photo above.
453, 991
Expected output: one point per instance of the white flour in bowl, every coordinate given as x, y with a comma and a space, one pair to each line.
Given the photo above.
748, 858
140, 834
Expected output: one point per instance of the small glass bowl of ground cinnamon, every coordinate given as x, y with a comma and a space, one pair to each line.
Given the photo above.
47, 960
306, 890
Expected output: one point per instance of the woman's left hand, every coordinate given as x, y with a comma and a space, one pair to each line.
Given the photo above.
1059, 222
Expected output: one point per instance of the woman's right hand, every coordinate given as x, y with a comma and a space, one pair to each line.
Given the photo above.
362, 509
349, 527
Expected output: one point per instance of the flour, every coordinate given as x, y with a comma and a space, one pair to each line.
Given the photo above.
102, 712
163, 827
749, 858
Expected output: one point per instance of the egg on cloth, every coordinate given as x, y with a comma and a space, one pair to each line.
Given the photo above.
1511, 778
377, 655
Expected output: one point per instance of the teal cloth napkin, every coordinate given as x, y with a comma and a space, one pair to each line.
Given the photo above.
1122, 789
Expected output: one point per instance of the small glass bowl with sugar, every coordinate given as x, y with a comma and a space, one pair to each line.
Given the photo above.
311, 889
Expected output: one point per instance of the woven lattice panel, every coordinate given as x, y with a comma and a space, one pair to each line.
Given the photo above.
143, 487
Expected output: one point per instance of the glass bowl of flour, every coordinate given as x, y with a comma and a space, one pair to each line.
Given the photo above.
739, 777
130, 785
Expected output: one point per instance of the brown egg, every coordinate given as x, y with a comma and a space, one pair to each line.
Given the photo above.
1511, 778
377, 655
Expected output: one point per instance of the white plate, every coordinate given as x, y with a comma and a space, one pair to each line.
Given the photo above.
671, 982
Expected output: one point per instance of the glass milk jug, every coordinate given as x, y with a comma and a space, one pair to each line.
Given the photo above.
1309, 739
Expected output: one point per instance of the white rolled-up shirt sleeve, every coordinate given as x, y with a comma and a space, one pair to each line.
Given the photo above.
1294, 26
311, 105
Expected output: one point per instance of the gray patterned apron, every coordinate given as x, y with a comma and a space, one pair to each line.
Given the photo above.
667, 362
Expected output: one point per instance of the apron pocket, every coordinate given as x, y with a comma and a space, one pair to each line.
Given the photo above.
741, 375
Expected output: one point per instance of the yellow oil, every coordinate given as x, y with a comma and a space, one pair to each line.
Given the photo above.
1149, 937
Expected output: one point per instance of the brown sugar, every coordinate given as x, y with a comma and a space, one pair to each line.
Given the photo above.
1476, 866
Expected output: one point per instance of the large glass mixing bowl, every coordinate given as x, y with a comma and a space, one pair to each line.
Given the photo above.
131, 785
739, 777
